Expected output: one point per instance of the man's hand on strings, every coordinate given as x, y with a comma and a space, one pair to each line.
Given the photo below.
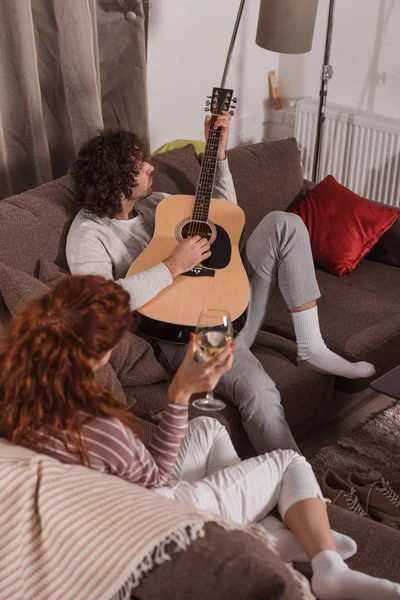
222, 121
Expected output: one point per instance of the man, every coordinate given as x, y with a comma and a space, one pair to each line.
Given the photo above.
116, 222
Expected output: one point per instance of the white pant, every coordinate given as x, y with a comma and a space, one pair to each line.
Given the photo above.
209, 475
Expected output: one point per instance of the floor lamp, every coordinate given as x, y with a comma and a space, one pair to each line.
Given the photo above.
327, 74
284, 26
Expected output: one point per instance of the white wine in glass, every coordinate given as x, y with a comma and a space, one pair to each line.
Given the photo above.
214, 332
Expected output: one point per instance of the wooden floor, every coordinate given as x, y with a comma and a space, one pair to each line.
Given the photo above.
362, 407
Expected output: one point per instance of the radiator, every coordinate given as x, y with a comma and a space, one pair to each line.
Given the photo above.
361, 150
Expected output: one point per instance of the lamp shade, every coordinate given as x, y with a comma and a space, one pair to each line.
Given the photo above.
286, 26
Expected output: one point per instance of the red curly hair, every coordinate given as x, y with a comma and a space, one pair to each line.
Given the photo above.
46, 371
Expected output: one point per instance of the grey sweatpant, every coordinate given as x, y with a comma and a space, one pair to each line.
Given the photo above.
278, 252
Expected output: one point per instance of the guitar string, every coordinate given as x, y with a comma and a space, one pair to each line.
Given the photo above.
203, 227
201, 212
193, 226
196, 228
198, 213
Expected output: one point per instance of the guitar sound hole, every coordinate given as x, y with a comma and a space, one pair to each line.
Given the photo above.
195, 228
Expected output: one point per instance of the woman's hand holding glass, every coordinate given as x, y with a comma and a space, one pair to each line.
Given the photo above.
193, 377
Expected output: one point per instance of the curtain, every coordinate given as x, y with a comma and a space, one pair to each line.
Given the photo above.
68, 69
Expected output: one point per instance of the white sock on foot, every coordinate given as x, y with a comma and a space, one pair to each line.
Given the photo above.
312, 352
333, 580
289, 548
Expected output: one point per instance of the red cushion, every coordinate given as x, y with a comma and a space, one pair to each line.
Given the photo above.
343, 226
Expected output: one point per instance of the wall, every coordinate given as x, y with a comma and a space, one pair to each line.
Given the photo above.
187, 47
188, 43
364, 55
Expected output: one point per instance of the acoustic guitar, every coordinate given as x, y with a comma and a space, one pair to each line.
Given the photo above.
219, 282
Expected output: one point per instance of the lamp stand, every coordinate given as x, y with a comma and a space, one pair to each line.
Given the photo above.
234, 34
327, 74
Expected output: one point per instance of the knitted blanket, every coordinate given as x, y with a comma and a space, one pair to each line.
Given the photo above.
68, 532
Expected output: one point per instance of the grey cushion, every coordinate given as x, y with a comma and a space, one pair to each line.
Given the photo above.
20, 236
304, 394
108, 377
34, 224
176, 171
50, 273
132, 362
17, 287
267, 177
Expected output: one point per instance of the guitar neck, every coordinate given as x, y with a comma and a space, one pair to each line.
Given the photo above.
207, 174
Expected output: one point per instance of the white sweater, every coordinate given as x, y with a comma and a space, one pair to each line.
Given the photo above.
108, 247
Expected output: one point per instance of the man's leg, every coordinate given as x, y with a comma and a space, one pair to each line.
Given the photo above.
279, 253
253, 392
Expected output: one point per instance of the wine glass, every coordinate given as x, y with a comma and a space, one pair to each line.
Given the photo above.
214, 332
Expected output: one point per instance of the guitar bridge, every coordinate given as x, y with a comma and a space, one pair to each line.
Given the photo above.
200, 272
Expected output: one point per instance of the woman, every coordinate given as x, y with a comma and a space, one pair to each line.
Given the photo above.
50, 401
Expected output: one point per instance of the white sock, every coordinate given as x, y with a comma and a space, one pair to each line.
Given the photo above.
313, 354
289, 548
333, 580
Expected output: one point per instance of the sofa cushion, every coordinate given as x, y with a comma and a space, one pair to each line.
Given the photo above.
343, 226
132, 362
176, 171
359, 316
5, 314
267, 177
50, 273
304, 394
17, 287
34, 224
20, 236
223, 564
107, 376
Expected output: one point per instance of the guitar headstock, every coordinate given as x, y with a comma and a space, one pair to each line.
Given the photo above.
220, 100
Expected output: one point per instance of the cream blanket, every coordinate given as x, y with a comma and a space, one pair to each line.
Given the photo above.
71, 533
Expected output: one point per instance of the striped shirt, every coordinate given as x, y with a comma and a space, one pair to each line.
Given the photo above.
114, 448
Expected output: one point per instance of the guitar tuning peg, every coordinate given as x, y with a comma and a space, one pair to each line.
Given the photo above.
207, 110
234, 100
208, 103
209, 97
231, 112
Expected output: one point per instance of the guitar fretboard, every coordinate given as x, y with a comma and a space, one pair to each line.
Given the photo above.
207, 174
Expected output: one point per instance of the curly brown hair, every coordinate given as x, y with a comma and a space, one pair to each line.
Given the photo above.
106, 168
46, 376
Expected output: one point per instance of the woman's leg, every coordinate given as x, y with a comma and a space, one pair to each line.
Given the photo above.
289, 547
205, 449
308, 519
247, 492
